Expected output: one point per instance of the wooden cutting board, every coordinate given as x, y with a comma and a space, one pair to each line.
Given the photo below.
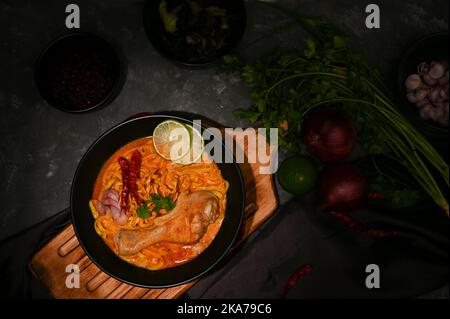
49, 264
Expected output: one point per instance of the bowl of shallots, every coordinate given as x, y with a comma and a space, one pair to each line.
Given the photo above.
424, 84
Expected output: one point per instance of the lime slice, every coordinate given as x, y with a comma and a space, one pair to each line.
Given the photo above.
196, 149
172, 140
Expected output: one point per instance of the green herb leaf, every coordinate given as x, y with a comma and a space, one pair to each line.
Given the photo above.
340, 42
162, 202
142, 212
310, 48
395, 192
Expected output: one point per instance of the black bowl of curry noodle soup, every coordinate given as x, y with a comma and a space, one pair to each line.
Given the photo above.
99, 160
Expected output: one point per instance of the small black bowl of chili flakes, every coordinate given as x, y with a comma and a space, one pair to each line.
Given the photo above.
79, 72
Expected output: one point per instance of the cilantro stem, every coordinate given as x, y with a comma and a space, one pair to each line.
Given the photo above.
291, 77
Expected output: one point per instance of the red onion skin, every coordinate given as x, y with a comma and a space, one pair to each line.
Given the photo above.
343, 186
329, 135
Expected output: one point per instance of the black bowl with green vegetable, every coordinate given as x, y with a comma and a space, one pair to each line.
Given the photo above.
194, 33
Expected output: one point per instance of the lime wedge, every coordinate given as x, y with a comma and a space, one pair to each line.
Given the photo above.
172, 140
196, 149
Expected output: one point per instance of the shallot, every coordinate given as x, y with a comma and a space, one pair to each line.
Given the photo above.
423, 69
428, 91
437, 70
424, 102
429, 80
109, 203
99, 207
413, 82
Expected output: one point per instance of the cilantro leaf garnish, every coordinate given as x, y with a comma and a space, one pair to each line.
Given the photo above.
162, 202
159, 203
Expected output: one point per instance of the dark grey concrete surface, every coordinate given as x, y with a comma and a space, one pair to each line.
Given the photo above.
40, 147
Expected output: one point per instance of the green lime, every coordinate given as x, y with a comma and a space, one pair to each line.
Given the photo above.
172, 140
196, 149
297, 175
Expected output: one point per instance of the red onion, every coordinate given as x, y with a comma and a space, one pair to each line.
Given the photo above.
329, 135
343, 186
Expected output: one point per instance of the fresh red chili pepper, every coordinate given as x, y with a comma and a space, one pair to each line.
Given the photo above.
358, 226
135, 167
347, 220
125, 170
295, 277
